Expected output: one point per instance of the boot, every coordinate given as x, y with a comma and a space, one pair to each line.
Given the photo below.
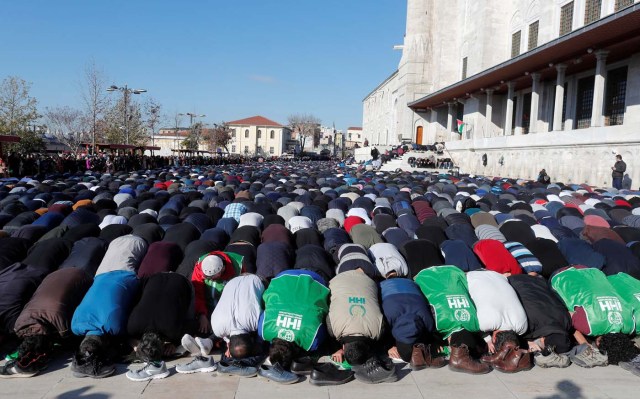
434, 362
516, 360
418, 360
499, 355
461, 361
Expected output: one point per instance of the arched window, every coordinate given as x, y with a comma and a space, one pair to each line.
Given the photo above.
246, 134
259, 134
272, 135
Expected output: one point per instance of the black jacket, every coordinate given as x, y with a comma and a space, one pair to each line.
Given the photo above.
618, 169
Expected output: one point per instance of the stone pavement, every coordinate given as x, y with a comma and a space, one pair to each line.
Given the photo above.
571, 383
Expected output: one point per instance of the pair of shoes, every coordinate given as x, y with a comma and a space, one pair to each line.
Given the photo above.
329, 374
499, 354
422, 357
374, 371
199, 364
590, 357
633, 365
91, 367
236, 367
151, 371
551, 360
302, 366
278, 374
460, 361
197, 346
516, 360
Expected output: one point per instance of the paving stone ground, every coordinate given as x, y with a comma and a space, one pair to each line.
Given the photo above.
570, 383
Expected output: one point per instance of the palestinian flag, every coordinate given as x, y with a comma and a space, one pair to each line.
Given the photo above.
461, 126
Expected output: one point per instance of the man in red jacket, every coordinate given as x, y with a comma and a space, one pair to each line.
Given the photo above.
210, 274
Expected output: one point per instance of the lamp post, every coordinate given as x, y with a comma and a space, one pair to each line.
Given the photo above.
191, 116
126, 91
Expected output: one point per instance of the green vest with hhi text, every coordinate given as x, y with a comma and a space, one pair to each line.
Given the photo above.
447, 291
607, 311
295, 307
629, 289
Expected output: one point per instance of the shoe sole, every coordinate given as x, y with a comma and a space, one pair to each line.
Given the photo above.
151, 377
418, 368
320, 383
391, 378
512, 371
279, 382
457, 370
18, 375
237, 375
202, 370
82, 375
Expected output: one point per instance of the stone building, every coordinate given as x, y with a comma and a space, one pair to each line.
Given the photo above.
258, 135
533, 84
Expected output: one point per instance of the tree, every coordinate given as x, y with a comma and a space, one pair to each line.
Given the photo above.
67, 125
17, 108
192, 141
154, 116
117, 127
220, 137
305, 126
95, 100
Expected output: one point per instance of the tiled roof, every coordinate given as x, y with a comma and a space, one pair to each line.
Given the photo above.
354, 128
255, 121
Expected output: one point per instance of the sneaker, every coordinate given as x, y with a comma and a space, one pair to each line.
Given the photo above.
13, 370
189, 343
590, 357
205, 345
328, 374
278, 374
150, 371
633, 365
199, 364
237, 368
551, 360
91, 367
375, 371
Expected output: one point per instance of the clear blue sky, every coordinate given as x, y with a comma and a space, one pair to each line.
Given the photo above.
228, 59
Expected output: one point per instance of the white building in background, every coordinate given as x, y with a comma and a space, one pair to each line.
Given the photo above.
551, 84
354, 135
170, 141
258, 135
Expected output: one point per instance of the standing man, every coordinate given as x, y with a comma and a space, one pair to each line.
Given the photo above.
618, 170
375, 153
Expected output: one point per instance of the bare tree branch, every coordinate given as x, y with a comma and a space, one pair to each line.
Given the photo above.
67, 124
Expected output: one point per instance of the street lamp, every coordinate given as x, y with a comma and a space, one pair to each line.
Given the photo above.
126, 91
191, 116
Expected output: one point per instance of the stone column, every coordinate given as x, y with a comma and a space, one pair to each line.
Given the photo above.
598, 88
450, 118
509, 113
488, 124
535, 101
559, 103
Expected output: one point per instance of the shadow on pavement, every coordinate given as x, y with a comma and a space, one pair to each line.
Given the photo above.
80, 394
566, 390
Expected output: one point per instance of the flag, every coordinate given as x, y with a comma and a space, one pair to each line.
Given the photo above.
461, 126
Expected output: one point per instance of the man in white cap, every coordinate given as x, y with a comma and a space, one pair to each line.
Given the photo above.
211, 272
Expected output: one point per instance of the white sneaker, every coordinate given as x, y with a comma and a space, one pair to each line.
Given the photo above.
149, 372
205, 345
189, 343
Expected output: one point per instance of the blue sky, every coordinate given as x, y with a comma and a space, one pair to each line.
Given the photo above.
227, 59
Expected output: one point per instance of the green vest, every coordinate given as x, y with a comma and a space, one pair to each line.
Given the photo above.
607, 311
447, 292
295, 307
629, 289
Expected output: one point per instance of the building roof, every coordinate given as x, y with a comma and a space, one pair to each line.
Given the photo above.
354, 128
618, 33
255, 121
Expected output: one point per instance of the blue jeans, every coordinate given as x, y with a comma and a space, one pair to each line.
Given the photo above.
617, 183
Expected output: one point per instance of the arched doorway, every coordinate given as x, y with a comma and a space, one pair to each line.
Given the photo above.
419, 135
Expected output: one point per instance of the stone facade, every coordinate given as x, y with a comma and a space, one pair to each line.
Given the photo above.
544, 118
